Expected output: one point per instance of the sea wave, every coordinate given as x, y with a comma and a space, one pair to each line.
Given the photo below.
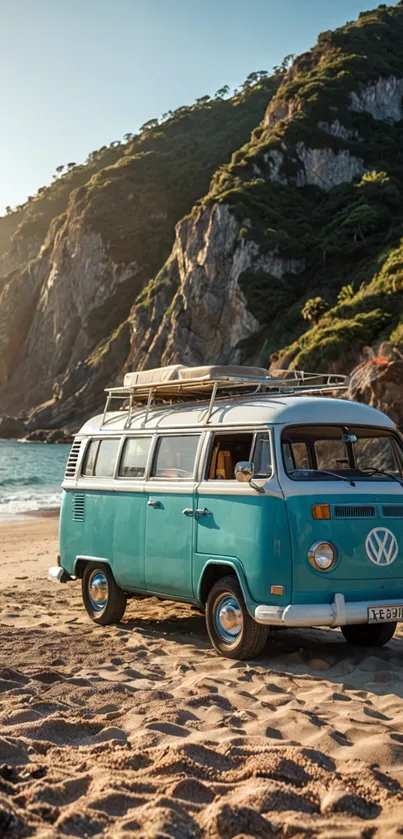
28, 502
30, 480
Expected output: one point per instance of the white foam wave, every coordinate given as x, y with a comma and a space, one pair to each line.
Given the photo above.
28, 502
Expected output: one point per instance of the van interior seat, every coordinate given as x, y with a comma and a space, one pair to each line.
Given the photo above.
225, 466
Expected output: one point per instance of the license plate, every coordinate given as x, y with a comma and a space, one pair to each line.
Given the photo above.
383, 614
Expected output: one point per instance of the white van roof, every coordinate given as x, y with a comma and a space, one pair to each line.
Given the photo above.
251, 410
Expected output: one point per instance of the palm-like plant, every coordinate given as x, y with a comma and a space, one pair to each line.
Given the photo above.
314, 309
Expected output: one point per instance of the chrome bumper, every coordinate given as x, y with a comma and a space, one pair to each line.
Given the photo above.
56, 574
338, 613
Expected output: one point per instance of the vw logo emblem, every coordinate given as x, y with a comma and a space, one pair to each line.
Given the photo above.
381, 546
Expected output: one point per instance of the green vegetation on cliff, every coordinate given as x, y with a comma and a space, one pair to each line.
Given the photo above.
375, 312
133, 193
136, 203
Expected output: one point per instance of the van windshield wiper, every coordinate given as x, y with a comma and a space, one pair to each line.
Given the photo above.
325, 472
371, 470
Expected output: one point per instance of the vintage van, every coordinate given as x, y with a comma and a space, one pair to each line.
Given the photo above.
254, 497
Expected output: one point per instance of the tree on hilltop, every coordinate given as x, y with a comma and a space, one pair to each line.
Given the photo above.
287, 61
152, 123
221, 92
254, 78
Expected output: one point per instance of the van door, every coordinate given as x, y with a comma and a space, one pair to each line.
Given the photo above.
235, 522
130, 512
170, 516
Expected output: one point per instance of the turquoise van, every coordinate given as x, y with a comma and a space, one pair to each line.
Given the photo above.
261, 499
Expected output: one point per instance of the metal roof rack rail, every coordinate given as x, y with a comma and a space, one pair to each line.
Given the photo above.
177, 384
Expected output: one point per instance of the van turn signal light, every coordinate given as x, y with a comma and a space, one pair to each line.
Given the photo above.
276, 589
321, 511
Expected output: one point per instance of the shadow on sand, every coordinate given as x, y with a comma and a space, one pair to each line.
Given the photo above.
317, 653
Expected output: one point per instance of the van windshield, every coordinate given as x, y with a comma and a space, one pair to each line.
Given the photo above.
356, 453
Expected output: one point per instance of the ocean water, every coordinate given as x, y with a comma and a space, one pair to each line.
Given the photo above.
30, 476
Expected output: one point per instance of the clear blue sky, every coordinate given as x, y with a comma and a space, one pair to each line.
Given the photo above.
77, 74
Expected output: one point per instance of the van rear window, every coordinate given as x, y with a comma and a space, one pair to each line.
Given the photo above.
100, 458
134, 458
175, 456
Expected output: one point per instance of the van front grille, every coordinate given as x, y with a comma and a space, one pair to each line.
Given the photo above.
72, 459
78, 506
366, 511
393, 511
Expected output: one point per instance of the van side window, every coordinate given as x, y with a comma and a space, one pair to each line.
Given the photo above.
227, 451
175, 456
90, 458
101, 458
134, 458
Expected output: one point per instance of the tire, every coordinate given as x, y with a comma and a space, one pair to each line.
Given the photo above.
369, 635
103, 599
243, 639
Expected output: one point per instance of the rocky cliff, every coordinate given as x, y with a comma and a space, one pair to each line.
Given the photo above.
212, 237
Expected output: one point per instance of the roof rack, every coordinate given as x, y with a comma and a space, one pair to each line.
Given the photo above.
187, 388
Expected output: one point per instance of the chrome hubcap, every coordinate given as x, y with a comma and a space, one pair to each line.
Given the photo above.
228, 618
98, 591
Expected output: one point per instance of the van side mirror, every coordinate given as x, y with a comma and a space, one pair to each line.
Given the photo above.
244, 471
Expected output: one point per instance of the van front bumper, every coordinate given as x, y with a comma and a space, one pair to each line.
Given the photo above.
338, 613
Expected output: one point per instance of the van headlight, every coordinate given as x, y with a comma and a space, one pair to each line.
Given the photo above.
322, 555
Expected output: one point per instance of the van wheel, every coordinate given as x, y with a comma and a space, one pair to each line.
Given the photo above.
233, 633
369, 635
103, 599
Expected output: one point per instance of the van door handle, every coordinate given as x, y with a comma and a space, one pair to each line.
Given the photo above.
204, 512
152, 503
187, 511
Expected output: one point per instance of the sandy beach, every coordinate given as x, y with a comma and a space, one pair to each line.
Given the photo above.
140, 729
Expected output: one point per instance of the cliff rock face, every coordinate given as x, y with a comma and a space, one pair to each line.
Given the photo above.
20, 253
378, 381
208, 316
325, 168
382, 99
55, 311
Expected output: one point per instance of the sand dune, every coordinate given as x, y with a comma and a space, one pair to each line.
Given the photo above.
140, 729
